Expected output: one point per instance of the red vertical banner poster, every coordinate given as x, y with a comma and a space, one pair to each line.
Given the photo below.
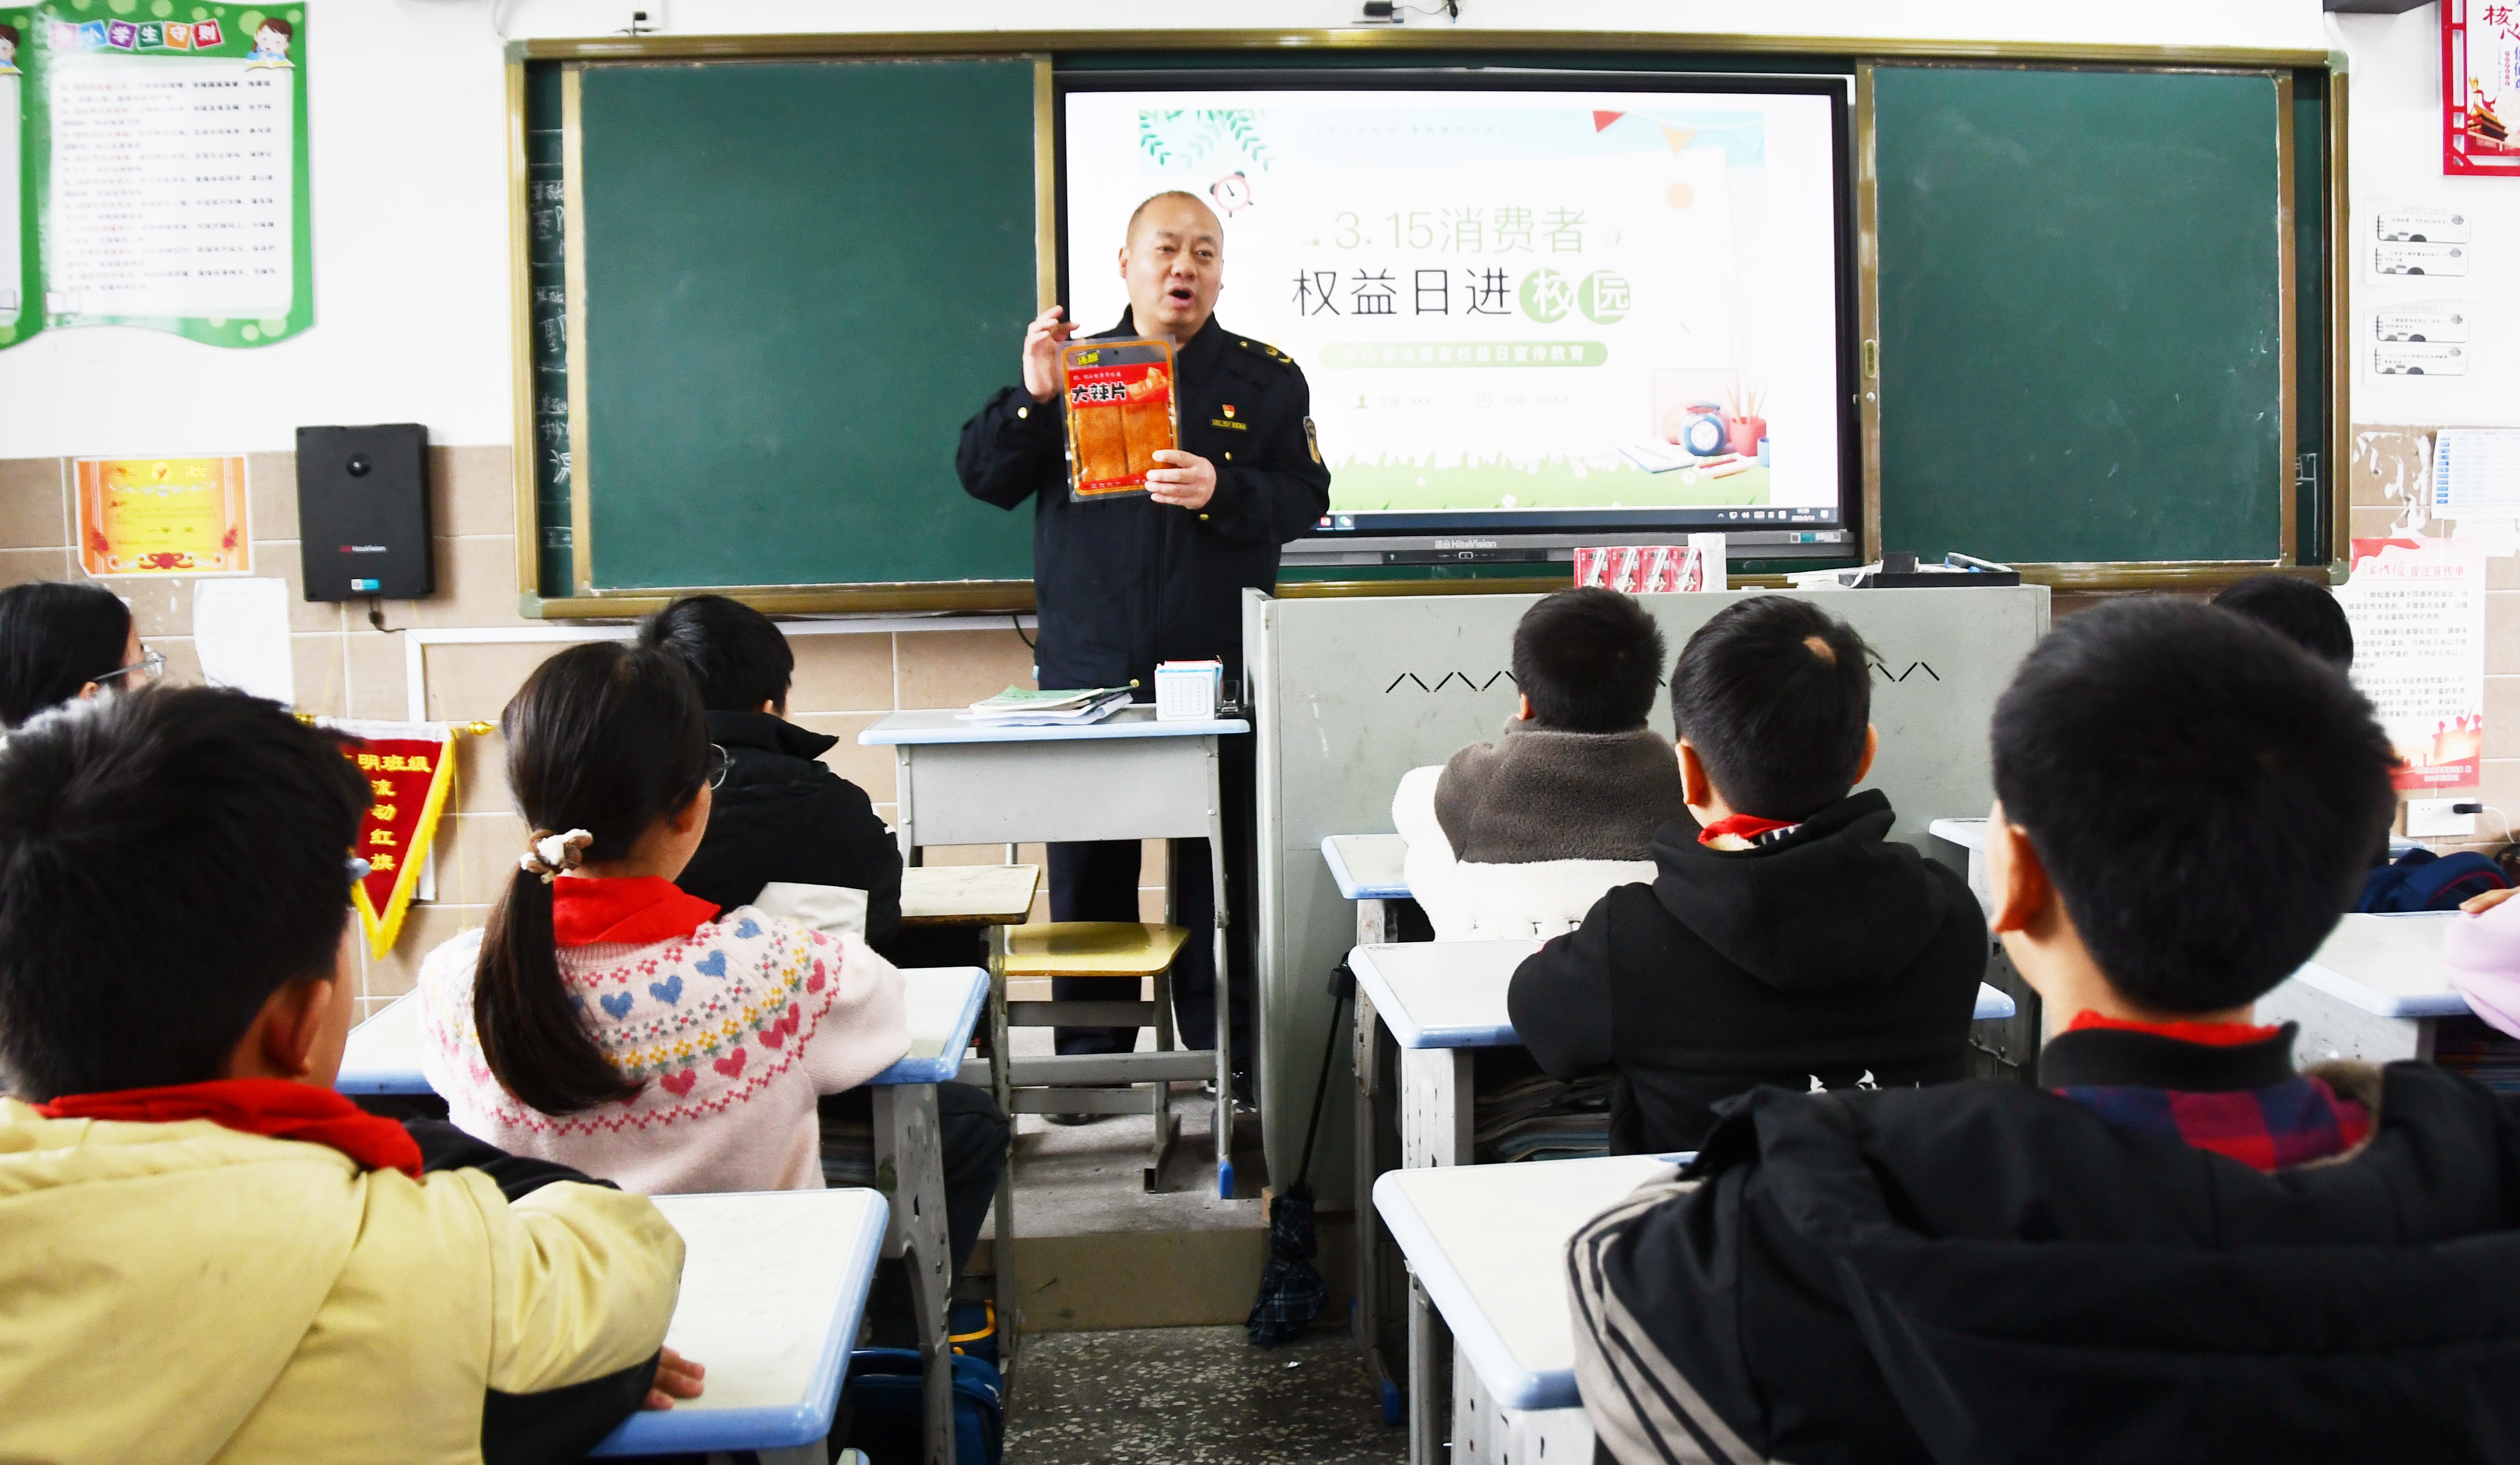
2480, 94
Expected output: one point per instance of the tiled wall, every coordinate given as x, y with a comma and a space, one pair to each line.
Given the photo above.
344, 666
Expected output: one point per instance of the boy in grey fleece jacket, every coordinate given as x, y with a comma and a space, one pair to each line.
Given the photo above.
1518, 838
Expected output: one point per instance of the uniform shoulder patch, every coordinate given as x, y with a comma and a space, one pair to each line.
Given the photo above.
1266, 352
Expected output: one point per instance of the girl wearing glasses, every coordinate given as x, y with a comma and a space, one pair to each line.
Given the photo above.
61, 642
608, 1021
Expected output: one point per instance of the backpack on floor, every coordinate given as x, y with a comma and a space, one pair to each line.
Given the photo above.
2421, 880
884, 1401
972, 1328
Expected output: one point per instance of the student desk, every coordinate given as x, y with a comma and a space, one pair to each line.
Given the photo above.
942, 1005
1369, 869
1486, 1248
973, 896
1440, 1001
1126, 777
773, 1286
2372, 991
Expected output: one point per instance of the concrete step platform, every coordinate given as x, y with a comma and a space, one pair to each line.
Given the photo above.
1095, 1251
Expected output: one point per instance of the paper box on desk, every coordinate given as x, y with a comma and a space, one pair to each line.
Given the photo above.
1654, 569
1186, 691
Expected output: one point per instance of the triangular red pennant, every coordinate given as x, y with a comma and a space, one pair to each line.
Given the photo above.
1602, 119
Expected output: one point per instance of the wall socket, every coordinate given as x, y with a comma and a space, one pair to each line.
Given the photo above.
2432, 819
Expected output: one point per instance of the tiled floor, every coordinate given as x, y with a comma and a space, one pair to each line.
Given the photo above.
1177, 1396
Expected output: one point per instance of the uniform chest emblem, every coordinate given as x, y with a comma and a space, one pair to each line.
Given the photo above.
1228, 409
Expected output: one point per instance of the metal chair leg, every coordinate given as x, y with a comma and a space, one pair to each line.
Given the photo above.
1223, 1001
1002, 1245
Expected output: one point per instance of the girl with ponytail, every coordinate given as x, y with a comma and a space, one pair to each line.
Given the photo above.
605, 1019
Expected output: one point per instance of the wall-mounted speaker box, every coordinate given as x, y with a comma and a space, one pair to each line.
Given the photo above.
363, 511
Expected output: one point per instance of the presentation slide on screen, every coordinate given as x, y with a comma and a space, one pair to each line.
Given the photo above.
1509, 301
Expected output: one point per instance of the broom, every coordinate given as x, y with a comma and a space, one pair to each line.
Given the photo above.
1292, 1289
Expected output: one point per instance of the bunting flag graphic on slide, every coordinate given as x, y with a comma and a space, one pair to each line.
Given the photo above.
410, 772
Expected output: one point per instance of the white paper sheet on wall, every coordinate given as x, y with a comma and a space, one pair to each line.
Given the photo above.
241, 632
2476, 473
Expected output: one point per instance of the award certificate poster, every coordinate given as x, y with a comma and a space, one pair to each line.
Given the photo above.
174, 189
2480, 87
21, 281
163, 516
2418, 609
1507, 299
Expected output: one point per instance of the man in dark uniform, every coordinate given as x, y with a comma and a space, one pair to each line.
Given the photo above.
1124, 584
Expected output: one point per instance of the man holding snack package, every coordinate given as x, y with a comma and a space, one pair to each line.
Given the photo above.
1131, 577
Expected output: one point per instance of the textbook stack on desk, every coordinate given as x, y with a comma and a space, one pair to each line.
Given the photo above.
1017, 708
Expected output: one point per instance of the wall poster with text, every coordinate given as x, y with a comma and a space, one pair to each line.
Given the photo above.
163, 516
2418, 609
164, 155
22, 284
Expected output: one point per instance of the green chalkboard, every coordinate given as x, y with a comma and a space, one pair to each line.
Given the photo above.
2082, 313
801, 278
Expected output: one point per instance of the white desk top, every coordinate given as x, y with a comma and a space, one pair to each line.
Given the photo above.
941, 1004
1442, 994
773, 1285
1368, 866
968, 894
2388, 965
382, 1055
943, 726
1488, 1243
1969, 834
1451, 994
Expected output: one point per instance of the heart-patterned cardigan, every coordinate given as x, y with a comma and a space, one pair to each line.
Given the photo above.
732, 1030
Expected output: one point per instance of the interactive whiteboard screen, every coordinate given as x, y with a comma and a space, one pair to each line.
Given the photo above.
1521, 310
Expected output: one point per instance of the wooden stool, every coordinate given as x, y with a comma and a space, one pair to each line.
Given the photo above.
1080, 948
1079, 1082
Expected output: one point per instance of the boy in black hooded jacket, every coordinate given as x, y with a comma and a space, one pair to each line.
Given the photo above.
2178, 1247
1786, 939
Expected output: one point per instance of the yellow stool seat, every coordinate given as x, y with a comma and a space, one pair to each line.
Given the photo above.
1091, 949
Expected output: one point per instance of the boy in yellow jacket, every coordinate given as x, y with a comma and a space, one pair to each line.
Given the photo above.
211, 1256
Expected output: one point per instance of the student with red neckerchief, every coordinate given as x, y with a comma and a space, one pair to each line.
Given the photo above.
2178, 1247
211, 1254
1785, 938
608, 1019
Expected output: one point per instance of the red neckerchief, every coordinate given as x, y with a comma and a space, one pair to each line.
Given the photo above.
637, 910
271, 1106
2210, 1034
1747, 826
